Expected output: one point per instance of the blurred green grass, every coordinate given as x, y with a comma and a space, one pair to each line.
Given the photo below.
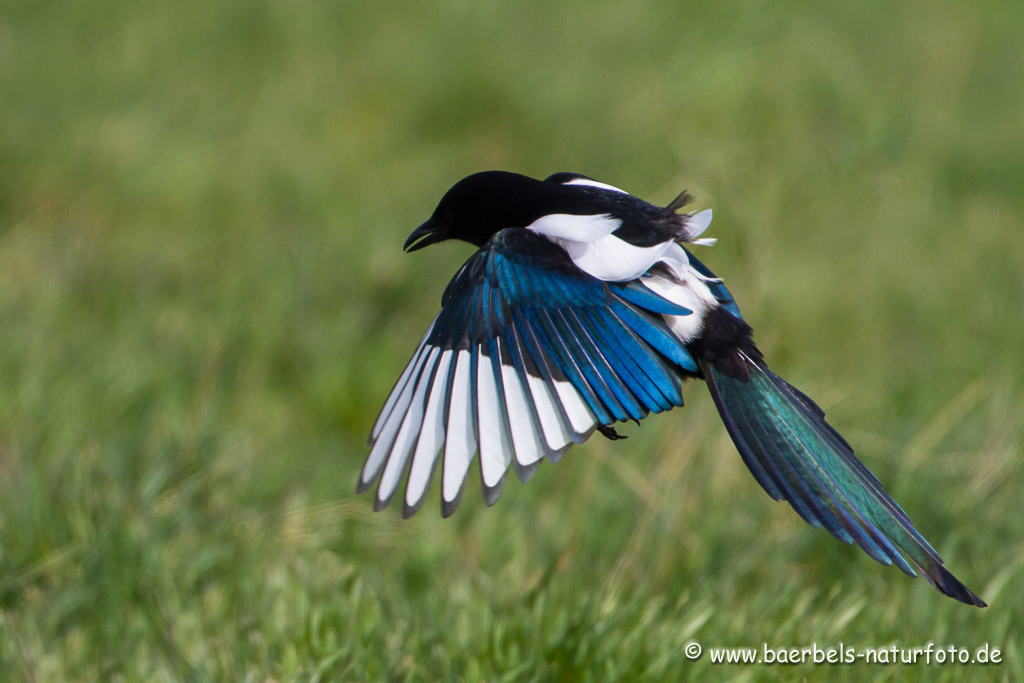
203, 302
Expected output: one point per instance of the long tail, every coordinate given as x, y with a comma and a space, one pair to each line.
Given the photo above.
795, 455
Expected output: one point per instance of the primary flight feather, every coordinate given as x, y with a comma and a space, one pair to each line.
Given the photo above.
582, 308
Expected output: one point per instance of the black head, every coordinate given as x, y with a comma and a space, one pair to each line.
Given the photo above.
480, 205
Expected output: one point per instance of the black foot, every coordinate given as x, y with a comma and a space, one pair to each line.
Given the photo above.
610, 433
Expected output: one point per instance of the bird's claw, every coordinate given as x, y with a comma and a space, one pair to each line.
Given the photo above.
610, 433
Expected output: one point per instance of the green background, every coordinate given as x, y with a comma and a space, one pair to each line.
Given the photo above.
203, 303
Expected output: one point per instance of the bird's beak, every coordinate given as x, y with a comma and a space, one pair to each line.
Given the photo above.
430, 232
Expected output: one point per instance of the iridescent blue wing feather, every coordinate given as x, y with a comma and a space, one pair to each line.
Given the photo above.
528, 355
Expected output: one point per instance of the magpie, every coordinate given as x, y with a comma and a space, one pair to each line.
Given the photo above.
583, 307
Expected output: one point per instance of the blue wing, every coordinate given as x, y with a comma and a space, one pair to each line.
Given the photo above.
528, 355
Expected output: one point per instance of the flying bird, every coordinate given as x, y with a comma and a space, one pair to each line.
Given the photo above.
583, 307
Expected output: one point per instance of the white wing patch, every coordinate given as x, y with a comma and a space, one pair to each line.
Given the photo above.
409, 430
495, 446
432, 434
391, 418
594, 183
527, 438
612, 259
595, 250
442, 408
569, 226
395, 393
460, 445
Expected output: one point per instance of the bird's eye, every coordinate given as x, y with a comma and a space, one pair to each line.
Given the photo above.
447, 216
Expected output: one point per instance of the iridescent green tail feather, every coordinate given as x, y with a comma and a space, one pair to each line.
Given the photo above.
797, 456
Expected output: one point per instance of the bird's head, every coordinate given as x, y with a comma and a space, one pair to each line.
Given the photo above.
480, 205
